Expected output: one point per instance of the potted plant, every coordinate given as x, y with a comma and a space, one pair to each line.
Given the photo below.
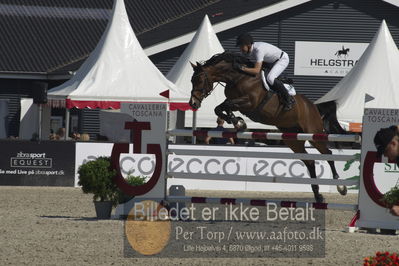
96, 177
133, 181
392, 196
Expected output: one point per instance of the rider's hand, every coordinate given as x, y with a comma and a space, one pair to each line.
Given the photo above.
237, 66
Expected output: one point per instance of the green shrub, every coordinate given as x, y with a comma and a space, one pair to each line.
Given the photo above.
391, 197
96, 177
133, 181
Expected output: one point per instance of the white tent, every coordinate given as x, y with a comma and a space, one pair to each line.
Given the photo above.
203, 46
29, 120
376, 74
117, 70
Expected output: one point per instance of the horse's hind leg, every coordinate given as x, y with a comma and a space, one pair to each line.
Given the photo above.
322, 148
314, 124
298, 147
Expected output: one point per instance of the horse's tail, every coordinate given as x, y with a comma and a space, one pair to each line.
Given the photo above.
328, 112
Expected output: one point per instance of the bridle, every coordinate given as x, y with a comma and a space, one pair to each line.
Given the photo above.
203, 89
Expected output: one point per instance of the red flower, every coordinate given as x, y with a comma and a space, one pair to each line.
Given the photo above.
382, 258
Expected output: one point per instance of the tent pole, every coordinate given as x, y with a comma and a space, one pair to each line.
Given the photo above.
194, 138
66, 123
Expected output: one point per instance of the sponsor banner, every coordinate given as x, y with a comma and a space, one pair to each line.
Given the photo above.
326, 58
390, 173
377, 175
144, 164
87, 151
147, 134
262, 167
131, 164
24, 163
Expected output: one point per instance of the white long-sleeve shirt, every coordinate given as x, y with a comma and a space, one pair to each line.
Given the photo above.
264, 52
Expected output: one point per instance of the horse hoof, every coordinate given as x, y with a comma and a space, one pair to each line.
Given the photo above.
319, 198
240, 124
342, 190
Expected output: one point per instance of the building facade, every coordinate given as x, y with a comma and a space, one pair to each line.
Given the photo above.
41, 41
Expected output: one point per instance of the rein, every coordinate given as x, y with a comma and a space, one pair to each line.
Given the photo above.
203, 90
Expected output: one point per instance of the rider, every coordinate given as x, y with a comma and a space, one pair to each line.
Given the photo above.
262, 52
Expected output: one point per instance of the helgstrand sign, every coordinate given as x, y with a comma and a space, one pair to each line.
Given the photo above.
326, 58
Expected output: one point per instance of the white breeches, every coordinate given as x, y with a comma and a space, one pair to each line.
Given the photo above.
278, 68
291, 89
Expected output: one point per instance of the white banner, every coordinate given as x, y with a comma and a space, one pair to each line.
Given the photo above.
262, 167
143, 165
326, 58
131, 164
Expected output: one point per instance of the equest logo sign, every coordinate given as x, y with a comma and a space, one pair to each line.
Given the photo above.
326, 58
31, 160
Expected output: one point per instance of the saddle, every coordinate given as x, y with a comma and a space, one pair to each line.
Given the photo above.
269, 104
286, 81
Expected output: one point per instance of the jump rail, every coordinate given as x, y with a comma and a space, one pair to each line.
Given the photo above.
262, 202
266, 179
264, 135
252, 154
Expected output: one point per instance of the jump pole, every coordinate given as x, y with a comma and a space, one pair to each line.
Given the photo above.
266, 135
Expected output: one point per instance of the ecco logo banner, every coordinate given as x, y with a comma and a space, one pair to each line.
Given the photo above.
242, 166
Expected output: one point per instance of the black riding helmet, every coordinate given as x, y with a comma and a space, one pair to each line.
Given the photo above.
244, 39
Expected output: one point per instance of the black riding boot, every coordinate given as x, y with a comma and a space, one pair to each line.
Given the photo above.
287, 100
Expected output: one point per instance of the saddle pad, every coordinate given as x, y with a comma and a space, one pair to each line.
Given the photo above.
289, 87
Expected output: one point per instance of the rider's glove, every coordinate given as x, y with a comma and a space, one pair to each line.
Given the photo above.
237, 66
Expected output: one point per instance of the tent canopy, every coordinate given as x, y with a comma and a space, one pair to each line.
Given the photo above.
203, 46
375, 75
117, 70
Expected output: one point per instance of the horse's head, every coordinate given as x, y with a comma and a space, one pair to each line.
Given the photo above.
219, 68
202, 85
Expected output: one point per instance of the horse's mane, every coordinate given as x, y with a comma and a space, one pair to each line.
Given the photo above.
228, 57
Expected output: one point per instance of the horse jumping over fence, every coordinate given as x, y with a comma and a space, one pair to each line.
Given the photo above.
245, 93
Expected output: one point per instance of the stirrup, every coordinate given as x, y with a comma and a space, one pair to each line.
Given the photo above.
288, 103
287, 107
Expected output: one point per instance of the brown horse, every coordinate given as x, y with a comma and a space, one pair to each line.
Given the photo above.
245, 93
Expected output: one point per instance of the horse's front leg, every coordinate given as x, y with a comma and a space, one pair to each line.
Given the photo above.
225, 111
